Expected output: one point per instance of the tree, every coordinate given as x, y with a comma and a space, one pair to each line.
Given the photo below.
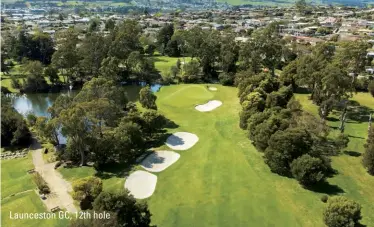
147, 98
14, 130
66, 57
164, 36
289, 73
351, 56
341, 211
86, 190
371, 88
52, 74
93, 50
94, 25
47, 128
268, 44
190, 72
110, 24
308, 170
125, 39
129, 212
42, 47
35, 81
286, 146
368, 156
110, 69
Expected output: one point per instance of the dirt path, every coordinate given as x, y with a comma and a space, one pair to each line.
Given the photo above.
60, 188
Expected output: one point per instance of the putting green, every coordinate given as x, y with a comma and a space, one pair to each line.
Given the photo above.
223, 181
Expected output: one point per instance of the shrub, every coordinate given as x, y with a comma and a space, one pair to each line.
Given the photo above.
341, 211
308, 170
31, 119
324, 198
41, 183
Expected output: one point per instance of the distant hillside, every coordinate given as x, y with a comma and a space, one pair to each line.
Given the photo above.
292, 2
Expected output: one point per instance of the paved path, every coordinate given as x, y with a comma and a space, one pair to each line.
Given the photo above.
60, 188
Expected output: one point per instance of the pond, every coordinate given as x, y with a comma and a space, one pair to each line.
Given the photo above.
39, 103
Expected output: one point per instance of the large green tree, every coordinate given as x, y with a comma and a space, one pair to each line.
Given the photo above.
129, 212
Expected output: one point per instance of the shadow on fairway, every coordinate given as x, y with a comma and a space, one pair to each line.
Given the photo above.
114, 170
326, 188
352, 153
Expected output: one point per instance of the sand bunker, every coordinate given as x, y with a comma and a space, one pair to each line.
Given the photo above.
141, 184
181, 140
209, 106
159, 160
212, 88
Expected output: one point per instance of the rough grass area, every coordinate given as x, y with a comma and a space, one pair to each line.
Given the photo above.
14, 176
164, 63
27, 203
352, 178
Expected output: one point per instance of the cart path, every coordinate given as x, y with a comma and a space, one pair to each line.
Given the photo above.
60, 188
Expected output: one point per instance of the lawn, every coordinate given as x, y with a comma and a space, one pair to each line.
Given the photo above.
15, 179
223, 180
27, 203
164, 63
14, 176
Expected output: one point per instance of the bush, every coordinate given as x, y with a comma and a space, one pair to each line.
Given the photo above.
341, 211
308, 170
226, 79
31, 119
41, 183
324, 198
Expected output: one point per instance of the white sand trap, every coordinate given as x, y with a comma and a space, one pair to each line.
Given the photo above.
209, 106
181, 140
212, 88
141, 184
159, 160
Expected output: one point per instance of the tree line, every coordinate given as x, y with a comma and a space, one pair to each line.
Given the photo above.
101, 125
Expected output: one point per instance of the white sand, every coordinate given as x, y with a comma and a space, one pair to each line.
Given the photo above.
159, 160
209, 106
141, 184
212, 88
181, 140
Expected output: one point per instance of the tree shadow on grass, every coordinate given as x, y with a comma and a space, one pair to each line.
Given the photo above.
326, 188
332, 119
158, 140
356, 137
352, 153
113, 170
358, 113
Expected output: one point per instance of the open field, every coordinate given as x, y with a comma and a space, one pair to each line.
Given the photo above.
164, 63
28, 202
223, 181
14, 176
15, 179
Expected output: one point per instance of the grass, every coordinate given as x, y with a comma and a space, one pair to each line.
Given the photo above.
223, 180
164, 63
352, 177
14, 176
15, 179
27, 203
